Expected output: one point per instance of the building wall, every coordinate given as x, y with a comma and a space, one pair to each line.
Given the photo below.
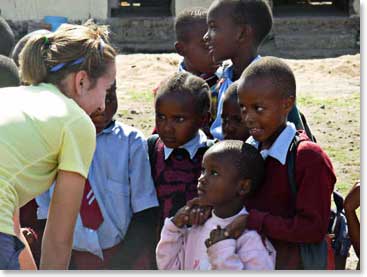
183, 4
19, 10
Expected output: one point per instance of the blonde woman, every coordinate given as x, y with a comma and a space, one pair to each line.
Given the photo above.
46, 135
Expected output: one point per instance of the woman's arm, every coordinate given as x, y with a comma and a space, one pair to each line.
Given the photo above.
63, 211
351, 203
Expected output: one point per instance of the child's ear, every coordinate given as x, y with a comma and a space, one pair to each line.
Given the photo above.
245, 32
205, 119
288, 103
180, 48
244, 187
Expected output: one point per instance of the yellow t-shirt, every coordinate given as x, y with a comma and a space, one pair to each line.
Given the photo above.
41, 131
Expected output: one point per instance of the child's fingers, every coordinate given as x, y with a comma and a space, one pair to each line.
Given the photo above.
193, 202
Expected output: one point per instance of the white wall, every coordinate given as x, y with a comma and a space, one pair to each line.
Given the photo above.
18, 10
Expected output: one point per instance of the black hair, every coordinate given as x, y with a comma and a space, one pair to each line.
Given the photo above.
186, 20
277, 71
21, 43
231, 92
246, 159
7, 40
9, 75
185, 83
256, 13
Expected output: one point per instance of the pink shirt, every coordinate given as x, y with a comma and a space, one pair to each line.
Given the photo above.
184, 248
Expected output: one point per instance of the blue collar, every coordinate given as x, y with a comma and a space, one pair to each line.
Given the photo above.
109, 128
227, 70
192, 146
279, 149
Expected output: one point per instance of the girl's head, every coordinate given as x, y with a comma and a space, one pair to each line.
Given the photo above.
232, 124
182, 105
231, 171
78, 59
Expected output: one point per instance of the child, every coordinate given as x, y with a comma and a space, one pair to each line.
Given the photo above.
182, 105
9, 75
7, 38
190, 27
351, 204
232, 124
231, 171
122, 185
235, 31
267, 92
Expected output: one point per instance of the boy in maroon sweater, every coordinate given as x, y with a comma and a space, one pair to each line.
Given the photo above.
266, 93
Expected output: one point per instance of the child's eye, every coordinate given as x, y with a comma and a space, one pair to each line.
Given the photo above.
160, 117
180, 119
214, 173
259, 109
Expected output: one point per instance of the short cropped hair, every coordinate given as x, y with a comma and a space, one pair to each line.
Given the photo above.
256, 13
9, 75
277, 71
246, 159
186, 20
7, 40
231, 92
185, 83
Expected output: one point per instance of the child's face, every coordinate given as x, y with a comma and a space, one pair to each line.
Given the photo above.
219, 183
233, 126
222, 33
102, 119
196, 53
176, 119
263, 109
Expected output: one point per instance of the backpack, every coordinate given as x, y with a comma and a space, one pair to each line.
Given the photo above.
300, 122
314, 255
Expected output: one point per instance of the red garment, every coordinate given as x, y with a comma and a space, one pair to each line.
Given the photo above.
274, 213
90, 212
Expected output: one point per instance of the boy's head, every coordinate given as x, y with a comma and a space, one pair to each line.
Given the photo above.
232, 124
266, 93
231, 171
102, 119
9, 75
21, 43
182, 105
190, 27
7, 40
235, 25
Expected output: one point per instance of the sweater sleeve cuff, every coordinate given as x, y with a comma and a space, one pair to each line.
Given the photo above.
170, 226
255, 220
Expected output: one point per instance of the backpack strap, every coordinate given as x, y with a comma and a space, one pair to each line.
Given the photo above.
151, 141
291, 164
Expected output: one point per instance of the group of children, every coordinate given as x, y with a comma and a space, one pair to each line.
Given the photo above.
210, 189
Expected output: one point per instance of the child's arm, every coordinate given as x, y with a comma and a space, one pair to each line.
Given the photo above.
351, 203
248, 252
170, 250
315, 180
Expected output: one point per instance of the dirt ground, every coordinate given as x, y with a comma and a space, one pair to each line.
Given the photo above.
332, 84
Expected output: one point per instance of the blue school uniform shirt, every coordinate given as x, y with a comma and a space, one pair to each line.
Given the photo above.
224, 82
121, 180
279, 148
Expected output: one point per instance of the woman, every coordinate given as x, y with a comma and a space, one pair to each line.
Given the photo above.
46, 135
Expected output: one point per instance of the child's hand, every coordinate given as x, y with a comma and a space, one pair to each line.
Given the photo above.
216, 235
236, 227
198, 213
181, 218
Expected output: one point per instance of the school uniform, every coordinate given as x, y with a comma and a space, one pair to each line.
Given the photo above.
122, 185
184, 248
272, 209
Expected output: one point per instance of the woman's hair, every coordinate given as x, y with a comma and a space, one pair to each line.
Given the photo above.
246, 159
9, 76
184, 83
50, 58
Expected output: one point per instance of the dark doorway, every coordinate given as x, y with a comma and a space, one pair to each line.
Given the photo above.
142, 8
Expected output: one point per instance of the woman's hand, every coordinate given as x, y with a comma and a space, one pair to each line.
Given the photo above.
216, 235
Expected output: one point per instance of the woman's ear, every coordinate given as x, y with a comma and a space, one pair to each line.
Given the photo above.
244, 187
81, 82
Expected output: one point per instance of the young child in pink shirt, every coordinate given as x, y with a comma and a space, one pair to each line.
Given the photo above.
232, 170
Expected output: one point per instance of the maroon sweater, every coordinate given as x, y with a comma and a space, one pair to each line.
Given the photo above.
274, 213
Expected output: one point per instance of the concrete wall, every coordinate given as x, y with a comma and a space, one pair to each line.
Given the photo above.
18, 10
183, 4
